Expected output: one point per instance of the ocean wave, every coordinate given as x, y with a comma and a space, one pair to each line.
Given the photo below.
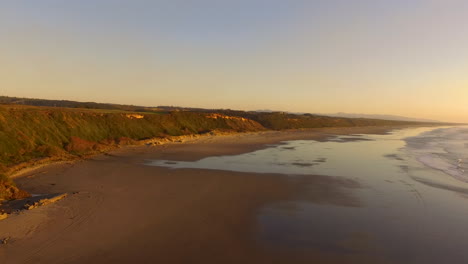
444, 149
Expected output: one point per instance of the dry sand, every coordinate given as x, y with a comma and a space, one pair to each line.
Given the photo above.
121, 211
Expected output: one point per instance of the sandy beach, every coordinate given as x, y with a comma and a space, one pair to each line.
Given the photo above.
121, 211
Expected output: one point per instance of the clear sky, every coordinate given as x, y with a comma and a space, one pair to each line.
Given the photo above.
402, 57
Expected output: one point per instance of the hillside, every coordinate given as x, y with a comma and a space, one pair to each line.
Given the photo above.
34, 132
282, 120
6, 100
30, 134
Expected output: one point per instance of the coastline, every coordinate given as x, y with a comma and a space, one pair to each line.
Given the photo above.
258, 140
156, 210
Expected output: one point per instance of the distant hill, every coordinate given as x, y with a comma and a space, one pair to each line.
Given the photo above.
73, 104
383, 117
6, 100
366, 116
311, 119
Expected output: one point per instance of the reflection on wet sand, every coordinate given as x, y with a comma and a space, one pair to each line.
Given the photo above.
325, 190
442, 186
393, 156
358, 197
349, 139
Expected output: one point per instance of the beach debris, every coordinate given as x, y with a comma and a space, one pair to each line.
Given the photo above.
44, 201
303, 164
3, 216
5, 240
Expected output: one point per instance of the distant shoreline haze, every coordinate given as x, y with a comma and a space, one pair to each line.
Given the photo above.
109, 106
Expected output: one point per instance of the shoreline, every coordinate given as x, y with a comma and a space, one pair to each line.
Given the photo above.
272, 137
119, 210
20, 170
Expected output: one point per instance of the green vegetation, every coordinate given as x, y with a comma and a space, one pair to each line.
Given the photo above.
30, 134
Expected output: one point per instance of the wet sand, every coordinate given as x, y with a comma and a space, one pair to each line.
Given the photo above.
121, 211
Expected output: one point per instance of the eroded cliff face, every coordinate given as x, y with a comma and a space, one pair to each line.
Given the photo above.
220, 116
238, 122
31, 135
134, 116
9, 191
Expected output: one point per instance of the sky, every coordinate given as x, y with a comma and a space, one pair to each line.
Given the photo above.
400, 57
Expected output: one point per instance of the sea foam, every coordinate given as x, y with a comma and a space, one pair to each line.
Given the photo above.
444, 149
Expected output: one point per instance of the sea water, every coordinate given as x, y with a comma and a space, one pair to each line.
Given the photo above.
411, 205
444, 149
